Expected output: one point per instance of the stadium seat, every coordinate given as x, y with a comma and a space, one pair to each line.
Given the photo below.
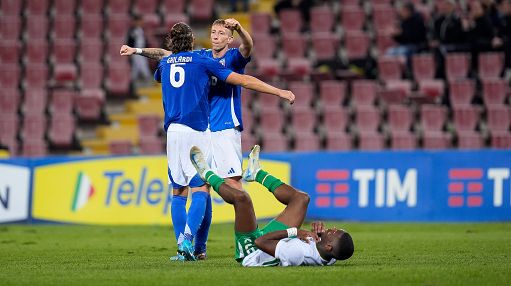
325, 46
63, 51
469, 140
384, 17
8, 130
357, 45
423, 66
294, 45
290, 21
363, 92
388, 96
36, 7
118, 25
170, 19
274, 142
501, 139
34, 148
89, 7
494, 91
465, 117
34, 126
370, 140
112, 52
9, 76
120, 147
322, 19
10, 27
389, 68
118, 83
9, 100
151, 146
64, 74
461, 92
61, 129
436, 140
306, 141
352, 18
36, 28
332, 92
433, 117
261, 21
36, 51
247, 141
402, 86
11, 7
10, 51
35, 101
399, 118
88, 104
144, 7
432, 88
271, 120
384, 42
298, 68
304, 93
91, 75
264, 46
335, 118
64, 7
367, 118
149, 125
498, 117
91, 51
201, 9
119, 7
36, 76
338, 141
268, 68
91, 26
403, 140
457, 66
173, 6
490, 65
61, 101
303, 119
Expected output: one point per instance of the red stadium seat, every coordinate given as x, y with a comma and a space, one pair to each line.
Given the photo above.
402, 86
335, 118
120, 147
91, 51
261, 21
423, 66
113, 57
325, 45
149, 125
10, 27
384, 18
9, 100
294, 45
303, 119
433, 117
64, 7
332, 93
34, 148
388, 96
34, 126
399, 118
61, 101
490, 65
357, 45
461, 92
363, 92
469, 140
144, 7
264, 46
11, 7
389, 68
304, 93
274, 142
457, 66
322, 19
91, 7
384, 42
269, 101
201, 9
432, 88
338, 141
501, 139
352, 18
64, 74
367, 118
268, 68
290, 21
37, 28
35, 101
436, 140
91, 75
298, 68
465, 117
370, 140
118, 25
403, 140
151, 146
91, 26
36, 76
10, 51
63, 51
119, 7
61, 129
494, 91
498, 117
118, 81
349, 3
9, 75
306, 141
173, 6
8, 130
173, 18
271, 120
247, 141
88, 104
36, 7
36, 51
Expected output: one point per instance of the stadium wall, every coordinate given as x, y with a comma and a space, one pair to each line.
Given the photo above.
362, 186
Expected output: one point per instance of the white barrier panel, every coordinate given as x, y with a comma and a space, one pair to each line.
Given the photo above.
14, 193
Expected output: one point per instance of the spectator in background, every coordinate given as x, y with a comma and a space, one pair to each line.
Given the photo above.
234, 5
136, 39
491, 9
303, 5
411, 33
504, 32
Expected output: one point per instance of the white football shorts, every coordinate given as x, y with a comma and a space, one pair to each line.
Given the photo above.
227, 156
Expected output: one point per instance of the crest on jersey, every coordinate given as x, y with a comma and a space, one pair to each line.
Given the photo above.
222, 61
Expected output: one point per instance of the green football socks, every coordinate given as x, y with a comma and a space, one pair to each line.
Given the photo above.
267, 180
214, 180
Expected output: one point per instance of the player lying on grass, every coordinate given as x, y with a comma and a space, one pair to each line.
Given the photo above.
281, 242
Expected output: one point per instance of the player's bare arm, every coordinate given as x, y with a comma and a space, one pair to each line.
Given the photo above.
268, 242
246, 40
253, 83
151, 53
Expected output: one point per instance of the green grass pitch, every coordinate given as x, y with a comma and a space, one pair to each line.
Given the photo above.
385, 254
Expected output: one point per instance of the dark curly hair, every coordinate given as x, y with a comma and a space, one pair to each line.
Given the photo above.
180, 38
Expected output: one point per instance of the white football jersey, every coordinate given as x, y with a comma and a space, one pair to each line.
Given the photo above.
289, 252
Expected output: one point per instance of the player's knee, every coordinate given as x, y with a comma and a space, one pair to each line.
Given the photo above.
242, 197
303, 197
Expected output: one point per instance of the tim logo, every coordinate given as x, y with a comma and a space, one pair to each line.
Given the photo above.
332, 188
467, 187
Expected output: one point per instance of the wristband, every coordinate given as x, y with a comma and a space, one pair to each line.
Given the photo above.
139, 51
292, 232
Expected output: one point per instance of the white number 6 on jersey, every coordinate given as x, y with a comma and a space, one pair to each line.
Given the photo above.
176, 69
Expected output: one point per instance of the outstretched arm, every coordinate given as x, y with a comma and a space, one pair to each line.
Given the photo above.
253, 83
246, 40
151, 53
268, 242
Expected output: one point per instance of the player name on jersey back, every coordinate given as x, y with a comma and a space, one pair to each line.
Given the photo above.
180, 59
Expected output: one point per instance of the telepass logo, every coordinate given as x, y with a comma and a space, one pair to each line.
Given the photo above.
84, 190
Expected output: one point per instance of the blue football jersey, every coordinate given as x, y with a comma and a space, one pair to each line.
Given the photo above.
185, 86
224, 98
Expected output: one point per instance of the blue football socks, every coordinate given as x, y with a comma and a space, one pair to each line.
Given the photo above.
195, 215
202, 233
178, 212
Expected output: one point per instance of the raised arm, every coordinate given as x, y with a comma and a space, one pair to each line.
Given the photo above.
151, 53
253, 83
268, 242
246, 40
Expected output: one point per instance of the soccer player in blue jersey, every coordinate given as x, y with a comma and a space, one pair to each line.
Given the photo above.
185, 78
225, 117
